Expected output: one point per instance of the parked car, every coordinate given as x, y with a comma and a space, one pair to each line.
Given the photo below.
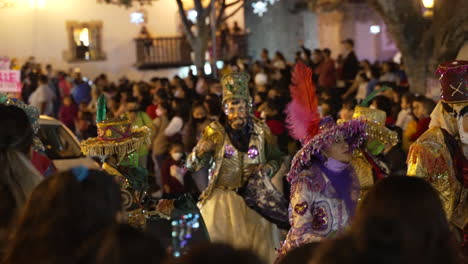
62, 146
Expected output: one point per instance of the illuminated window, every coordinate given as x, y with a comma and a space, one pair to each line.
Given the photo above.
84, 41
138, 17
82, 35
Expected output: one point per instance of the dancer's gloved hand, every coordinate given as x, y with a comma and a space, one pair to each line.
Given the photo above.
204, 146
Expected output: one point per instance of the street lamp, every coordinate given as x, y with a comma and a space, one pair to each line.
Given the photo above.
428, 3
428, 8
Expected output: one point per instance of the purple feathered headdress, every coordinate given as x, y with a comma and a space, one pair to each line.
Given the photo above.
353, 131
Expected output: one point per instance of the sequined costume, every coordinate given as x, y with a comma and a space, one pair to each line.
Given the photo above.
227, 216
324, 191
366, 161
440, 154
316, 211
430, 158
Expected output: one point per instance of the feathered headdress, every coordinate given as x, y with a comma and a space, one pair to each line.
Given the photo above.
303, 117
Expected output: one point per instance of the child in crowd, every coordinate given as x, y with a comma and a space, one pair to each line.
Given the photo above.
173, 171
405, 115
68, 112
422, 109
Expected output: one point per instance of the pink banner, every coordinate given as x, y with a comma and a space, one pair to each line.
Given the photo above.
10, 81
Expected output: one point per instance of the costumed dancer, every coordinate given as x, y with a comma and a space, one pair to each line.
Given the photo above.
324, 187
440, 154
116, 145
368, 159
240, 203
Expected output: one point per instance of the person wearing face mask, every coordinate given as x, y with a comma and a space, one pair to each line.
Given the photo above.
191, 134
440, 154
240, 152
173, 172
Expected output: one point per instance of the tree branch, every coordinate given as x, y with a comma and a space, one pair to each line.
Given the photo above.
234, 3
185, 22
404, 22
207, 10
233, 13
221, 13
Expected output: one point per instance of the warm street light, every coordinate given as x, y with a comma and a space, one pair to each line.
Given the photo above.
428, 8
428, 4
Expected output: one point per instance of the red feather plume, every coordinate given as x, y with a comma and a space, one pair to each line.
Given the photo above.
302, 112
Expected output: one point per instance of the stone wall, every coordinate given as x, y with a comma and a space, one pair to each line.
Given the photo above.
280, 29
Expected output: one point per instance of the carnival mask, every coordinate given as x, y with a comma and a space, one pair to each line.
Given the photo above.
237, 113
462, 122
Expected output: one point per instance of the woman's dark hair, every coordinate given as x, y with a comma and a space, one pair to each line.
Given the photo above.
189, 137
375, 72
384, 104
18, 177
181, 109
220, 253
402, 220
61, 213
327, 51
409, 97
16, 129
363, 76
301, 254
280, 55
161, 93
214, 106
350, 104
166, 106
122, 243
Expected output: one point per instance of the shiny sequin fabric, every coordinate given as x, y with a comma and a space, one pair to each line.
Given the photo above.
430, 158
315, 211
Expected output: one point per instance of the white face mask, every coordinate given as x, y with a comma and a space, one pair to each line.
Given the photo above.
158, 112
461, 131
176, 156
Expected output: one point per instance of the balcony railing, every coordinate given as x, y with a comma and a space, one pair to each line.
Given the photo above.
167, 52
162, 52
